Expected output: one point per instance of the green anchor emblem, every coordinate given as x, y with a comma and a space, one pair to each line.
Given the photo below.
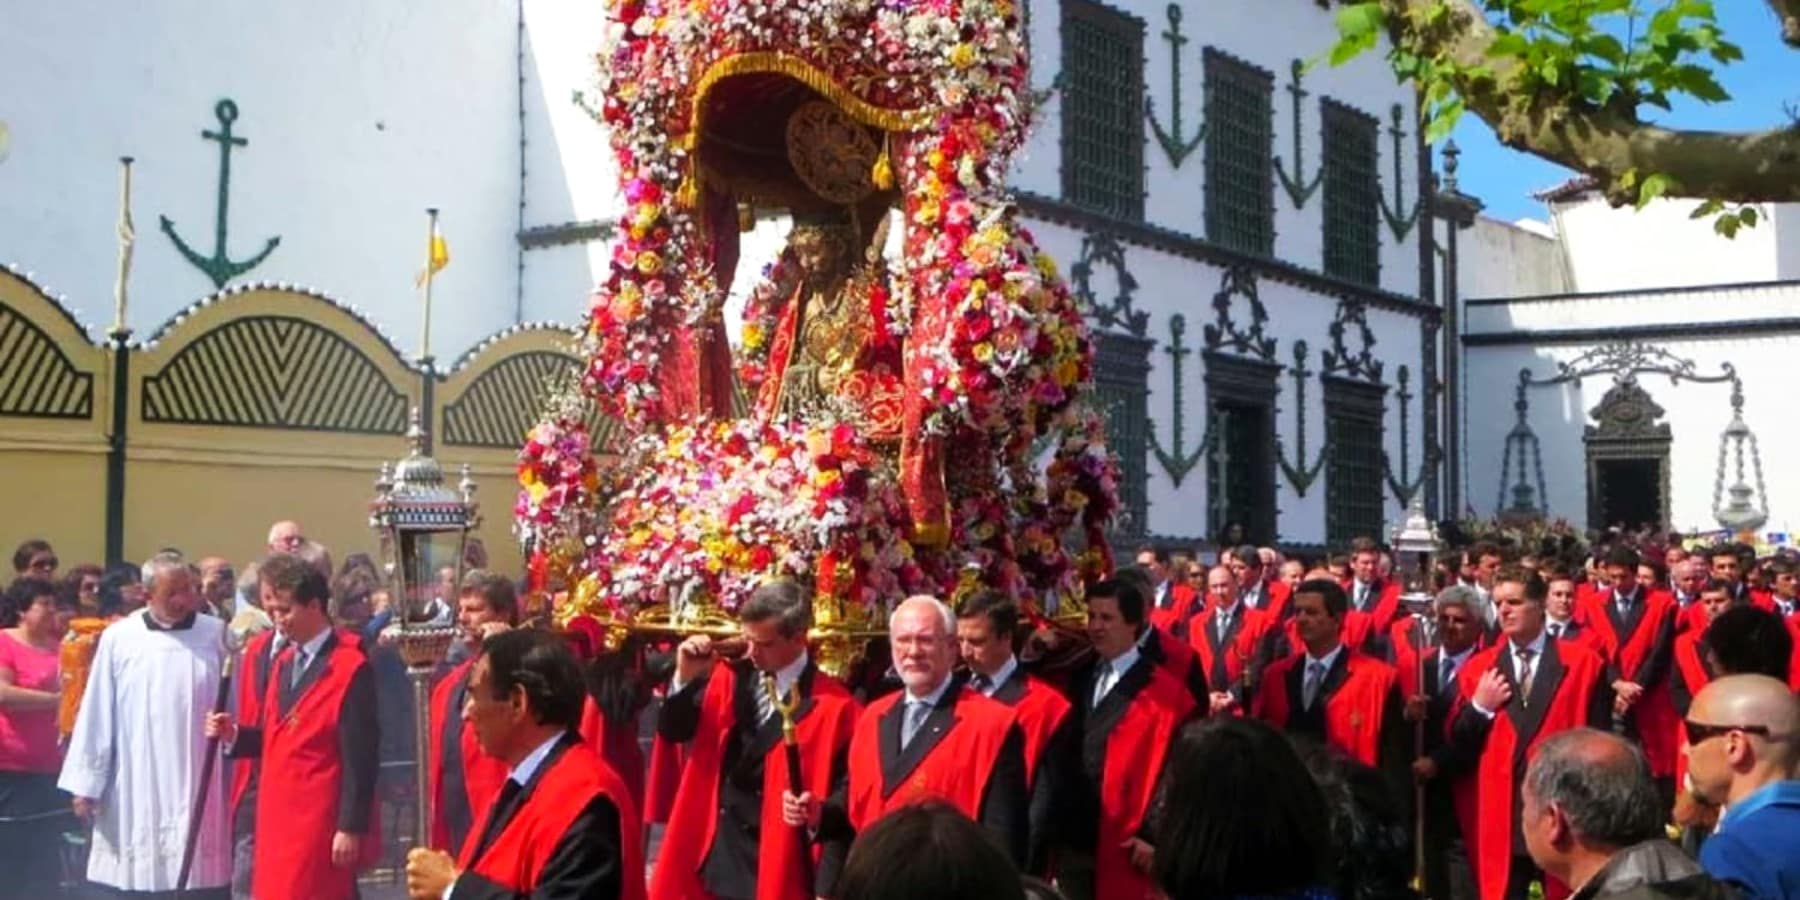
219, 266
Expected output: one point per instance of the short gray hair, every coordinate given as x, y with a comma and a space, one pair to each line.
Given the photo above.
1601, 782
160, 565
944, 612
1458, 595
785, 602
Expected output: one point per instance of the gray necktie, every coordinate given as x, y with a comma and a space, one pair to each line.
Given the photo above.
765, 702
916, 711
1224, 625
1446, 672
1315, 678
301, 658
1103, 683
1525, 673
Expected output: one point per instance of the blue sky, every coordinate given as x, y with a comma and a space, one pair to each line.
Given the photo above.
1767, 77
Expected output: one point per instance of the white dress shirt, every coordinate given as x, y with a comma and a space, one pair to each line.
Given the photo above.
1000, 676
1537, 662
1109, 674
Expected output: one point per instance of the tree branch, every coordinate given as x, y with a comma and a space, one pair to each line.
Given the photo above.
1606, 142
1788, 11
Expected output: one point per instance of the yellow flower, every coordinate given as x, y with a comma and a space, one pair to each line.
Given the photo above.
1065, 372
962, 55
753, 336
984, 352
649, 263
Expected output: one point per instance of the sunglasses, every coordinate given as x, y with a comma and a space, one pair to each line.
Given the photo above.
1700, 732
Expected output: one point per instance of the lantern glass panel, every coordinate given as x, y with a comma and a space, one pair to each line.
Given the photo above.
427, 573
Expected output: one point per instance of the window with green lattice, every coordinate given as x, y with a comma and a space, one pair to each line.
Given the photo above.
1240, 187
1103, 109
1354, 474
1352, 194
1122, 395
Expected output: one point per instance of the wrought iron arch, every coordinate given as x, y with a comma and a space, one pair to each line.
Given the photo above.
275, 372
37, 379
1121, 311
1225, 333
1625, 361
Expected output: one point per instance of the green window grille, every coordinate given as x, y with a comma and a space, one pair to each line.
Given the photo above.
1103, 109
1122, 394
1352, 195
1354, 477
1240, 186
1240, 461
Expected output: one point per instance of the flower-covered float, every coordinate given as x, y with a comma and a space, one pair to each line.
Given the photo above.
901, 411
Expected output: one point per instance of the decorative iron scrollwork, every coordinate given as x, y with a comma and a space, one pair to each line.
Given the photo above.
1352, 314
1121, 311
1239, 281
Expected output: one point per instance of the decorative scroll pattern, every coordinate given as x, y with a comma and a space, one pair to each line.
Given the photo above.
36, 378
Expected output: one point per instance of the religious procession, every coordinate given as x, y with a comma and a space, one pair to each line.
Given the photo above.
847, 549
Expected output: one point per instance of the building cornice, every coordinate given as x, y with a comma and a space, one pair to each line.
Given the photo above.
1735, 328
1185, 245
585, 231
1638, 292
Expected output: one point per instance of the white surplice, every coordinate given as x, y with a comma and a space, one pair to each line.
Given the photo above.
138, 747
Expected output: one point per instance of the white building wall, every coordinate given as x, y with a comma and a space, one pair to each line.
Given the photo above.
358, 116
1500, 259
1661, 246
1761, 354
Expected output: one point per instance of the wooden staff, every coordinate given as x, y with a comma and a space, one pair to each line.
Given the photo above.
234, 641
787, 706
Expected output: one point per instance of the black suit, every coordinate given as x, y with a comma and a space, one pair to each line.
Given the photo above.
1393, 754
1447, 871
730, 865
1005, 801
586, 862
1050, 785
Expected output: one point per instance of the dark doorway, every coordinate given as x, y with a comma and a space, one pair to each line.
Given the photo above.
1629, 492
1239, 471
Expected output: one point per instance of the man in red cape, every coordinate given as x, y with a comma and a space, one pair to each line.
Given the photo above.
318, 742
1258, 592
1510, 697
1374, 600
253, 679
1427, 673
563, 824
933, 740
987, 623
1333, 692
726, 838
1161, 645
1233, 641
1127, 712
1634, 627
1562, 619
1172, 603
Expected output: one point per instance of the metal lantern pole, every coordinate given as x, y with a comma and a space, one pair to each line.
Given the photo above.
413, 505
1415, 545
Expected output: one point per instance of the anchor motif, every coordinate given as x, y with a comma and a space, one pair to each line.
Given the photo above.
1302, 475
1405, 490
1397, 223
1178, 463
219, 267
1298, 189
1178, 148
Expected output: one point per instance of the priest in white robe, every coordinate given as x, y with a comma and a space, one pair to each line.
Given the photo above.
134, 759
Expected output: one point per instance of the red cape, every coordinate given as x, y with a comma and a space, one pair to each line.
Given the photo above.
482, 774
827, 718
1690, 667
1654, 714
250, 689
956, 771
519, 853
1252, 631
1134, 758
1039, 712
297, 791
1182, 598
1353, 713
1485, 797
1360, 628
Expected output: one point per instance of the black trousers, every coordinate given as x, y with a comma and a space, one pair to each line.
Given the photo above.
33, 816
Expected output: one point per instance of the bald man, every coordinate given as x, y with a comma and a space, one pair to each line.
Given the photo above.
1743, 749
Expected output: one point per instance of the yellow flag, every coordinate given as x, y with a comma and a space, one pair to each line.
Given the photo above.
437, 257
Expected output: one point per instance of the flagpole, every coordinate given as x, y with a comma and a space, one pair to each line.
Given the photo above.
427, 374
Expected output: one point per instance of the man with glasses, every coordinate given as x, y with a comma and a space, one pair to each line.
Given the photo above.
34, 558
1743, 750
1428, 681
286, 537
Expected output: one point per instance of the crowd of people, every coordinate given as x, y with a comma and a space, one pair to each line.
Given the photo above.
1240, 725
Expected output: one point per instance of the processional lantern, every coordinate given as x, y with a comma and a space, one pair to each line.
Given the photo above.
423, 524
1415, 545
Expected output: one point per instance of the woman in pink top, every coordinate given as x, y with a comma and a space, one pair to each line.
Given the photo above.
31, 809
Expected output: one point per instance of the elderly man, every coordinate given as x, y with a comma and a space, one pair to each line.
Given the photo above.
1743, 751
135, 757
1590, 814
1234, 640
1428, 681
286, 537
932, 740
217, 584
563, 824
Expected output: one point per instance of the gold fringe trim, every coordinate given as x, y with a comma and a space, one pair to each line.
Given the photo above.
806, 73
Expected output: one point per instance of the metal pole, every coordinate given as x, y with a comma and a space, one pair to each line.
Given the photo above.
115, 447
421, 683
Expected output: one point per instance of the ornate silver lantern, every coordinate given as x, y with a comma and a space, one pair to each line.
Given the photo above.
423, 524
1415, 545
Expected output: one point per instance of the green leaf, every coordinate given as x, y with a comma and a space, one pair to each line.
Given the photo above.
1653, 187
1708, 208
1443, 120
1359, 19
1748, 214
